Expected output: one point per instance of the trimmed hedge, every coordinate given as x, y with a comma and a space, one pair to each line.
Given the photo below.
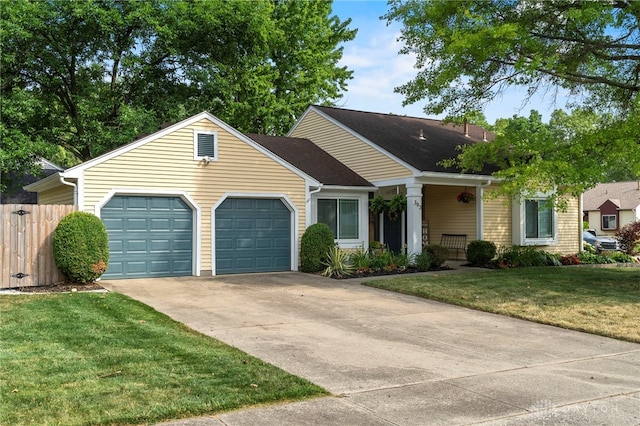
315, 244
480, 252
81, 247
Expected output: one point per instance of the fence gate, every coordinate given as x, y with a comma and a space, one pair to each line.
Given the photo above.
26, 251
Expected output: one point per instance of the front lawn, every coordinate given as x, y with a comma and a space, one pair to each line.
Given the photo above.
604, 301
95, 358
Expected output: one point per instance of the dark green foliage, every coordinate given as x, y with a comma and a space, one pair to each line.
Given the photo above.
629, 237
437, 253
95, 74
381, 257
525, 256
81, 247
423, 261
316, 242
480, 252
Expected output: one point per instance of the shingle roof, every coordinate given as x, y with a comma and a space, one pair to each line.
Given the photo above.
400, 136
626, 195
311, 159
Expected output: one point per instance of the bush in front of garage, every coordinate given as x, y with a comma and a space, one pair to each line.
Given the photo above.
81, 247
316, 242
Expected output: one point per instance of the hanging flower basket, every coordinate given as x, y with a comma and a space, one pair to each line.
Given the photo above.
465, 197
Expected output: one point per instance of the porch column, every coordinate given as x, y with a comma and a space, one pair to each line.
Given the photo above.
414, 218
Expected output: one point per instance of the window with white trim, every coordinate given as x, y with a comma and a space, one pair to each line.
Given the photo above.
535, 222
609, 222
341, 215
205, 145
538, 220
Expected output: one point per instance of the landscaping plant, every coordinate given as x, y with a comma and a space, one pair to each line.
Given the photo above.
437, 254
337, 263
315, 243
481, 252
81, 247
629, 238
525, 256
422, 261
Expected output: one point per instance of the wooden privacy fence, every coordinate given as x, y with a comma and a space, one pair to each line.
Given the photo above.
26, 232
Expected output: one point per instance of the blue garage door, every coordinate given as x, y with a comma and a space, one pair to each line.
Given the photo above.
148, 237
252, 235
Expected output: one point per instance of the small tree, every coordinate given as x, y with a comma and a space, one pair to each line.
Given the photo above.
81, 247
316, 242
629, 237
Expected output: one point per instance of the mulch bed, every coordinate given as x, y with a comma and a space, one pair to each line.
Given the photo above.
381, 273
60, 288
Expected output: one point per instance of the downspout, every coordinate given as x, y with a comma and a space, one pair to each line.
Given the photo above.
580, 216
308, 206
480, 212
75, 189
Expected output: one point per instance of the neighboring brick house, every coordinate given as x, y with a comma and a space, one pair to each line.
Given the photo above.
610, 206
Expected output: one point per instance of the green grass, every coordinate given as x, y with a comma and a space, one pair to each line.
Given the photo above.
604, 301
91, 358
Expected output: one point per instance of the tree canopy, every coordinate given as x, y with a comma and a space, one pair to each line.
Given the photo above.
469, 52
81, 78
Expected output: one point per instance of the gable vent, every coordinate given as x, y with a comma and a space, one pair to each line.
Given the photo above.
206, 145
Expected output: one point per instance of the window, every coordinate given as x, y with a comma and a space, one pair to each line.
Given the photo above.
341, 215
609, 221
538, 220
205, 145
534, 223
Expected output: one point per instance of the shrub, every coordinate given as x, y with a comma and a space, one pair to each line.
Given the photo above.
620, 257
437, 253
315, 243
592, 258
380, 258
480, 252
629, 237
588, 247
525, 256
337, 263
81, 247
570, 259
422, 261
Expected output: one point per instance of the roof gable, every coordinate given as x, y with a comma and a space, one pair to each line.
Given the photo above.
77, 171
419, 142
311, 159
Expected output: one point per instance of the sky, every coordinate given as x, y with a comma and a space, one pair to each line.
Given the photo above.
378, 68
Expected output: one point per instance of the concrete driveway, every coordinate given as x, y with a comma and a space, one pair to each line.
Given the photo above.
391, 359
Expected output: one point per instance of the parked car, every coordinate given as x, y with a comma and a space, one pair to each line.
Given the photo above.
600, 243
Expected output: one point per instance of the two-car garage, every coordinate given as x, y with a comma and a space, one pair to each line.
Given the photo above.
153, 236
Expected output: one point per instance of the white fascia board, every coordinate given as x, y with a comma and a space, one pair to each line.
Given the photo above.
76, 171
348, 188
358, 136
455, 179
43, 184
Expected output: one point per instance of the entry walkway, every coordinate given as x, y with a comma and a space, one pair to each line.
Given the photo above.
392, 359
